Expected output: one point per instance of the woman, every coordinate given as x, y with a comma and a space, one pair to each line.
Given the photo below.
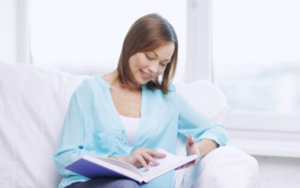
129, 113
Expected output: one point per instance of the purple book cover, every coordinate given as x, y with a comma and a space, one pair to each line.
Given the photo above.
92, 170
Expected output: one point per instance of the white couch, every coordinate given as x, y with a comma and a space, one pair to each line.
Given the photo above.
33, 104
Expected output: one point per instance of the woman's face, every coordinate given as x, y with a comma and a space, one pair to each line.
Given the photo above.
146, 66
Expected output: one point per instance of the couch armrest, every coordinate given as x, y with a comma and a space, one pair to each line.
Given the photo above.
224, 167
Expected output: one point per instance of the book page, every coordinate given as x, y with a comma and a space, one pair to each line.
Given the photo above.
121, 164
170, 162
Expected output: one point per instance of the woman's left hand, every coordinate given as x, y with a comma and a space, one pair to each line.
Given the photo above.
191, 149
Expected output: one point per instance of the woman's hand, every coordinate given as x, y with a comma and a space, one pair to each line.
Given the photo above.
191, 149
142, 156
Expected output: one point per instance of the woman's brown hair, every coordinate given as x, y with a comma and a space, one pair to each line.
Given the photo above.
146, 34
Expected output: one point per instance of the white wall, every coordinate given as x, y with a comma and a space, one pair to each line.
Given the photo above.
8, 30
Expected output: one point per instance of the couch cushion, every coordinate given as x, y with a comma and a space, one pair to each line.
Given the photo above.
33, 104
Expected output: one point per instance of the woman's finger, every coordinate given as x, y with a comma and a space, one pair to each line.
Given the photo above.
142, 161
156, 154
179, 168
186, 165
191, 140
189, 164
195, 161
150, 158
182, 167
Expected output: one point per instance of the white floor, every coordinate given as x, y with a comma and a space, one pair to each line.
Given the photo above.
276, 172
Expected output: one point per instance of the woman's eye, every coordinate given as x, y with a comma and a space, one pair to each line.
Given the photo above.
148, 57
163, 64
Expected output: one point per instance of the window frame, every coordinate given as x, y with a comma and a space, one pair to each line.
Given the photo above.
22, 50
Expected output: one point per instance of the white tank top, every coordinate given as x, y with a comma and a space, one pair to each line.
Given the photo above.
131, 127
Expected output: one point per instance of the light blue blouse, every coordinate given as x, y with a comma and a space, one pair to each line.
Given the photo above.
93, 126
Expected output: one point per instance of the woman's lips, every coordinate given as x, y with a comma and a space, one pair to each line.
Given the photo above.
144, 75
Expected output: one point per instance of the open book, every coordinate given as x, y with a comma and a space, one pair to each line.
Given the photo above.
94, 167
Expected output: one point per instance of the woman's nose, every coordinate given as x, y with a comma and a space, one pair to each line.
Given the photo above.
154, 66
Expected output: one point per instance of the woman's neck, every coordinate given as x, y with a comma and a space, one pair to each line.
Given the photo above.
113, 81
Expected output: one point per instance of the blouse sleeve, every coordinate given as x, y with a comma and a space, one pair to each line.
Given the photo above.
70, 146
192, 122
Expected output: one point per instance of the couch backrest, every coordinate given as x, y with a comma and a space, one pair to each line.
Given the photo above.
33, 104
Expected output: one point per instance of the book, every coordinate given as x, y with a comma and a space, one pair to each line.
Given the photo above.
94, 167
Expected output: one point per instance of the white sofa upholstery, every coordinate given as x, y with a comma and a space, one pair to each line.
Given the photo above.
33, 104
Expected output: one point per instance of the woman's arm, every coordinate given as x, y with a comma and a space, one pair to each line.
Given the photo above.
191, 122
208, 135
72, 143
205, 146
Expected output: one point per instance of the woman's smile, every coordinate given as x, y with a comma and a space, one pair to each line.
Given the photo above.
145, 75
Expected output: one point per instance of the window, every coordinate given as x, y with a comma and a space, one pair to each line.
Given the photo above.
250, 50
255, 54
86, 36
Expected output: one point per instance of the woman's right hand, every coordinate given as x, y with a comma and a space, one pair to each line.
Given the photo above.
142, 156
